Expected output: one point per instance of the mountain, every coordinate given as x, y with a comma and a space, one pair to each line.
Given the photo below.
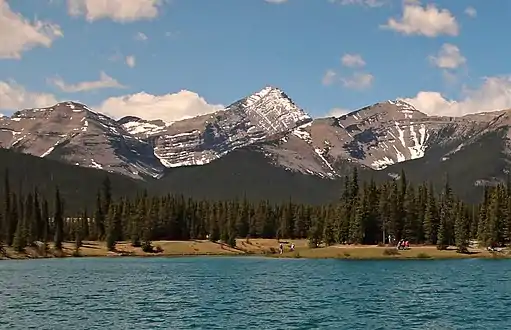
202, 139
74, 133
276, 134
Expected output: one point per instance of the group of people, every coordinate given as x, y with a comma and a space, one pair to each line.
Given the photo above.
281, 248
403, 245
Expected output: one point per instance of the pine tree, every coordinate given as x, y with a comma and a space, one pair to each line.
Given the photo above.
461, 228
38, 216
357, 229
431, 221
99, 218
20, 236
329, 231
7, 212
314, 235
45, 216
58, 220
111, 228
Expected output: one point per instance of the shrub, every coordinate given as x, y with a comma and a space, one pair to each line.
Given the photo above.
158, 249
423, 255
391, 252
147, 247
347, 254
441, 247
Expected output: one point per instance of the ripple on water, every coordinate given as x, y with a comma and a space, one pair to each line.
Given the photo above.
254, 293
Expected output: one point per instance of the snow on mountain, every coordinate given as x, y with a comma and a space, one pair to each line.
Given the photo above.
376, 136
72, 132
202, 139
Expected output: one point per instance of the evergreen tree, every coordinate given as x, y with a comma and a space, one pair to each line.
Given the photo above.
329, 231
58, 220
357, 229
45, 216
461, 228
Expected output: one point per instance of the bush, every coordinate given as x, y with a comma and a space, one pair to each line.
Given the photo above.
441, 247
347, 254
423, 255
391, 252
147, 247
158, 249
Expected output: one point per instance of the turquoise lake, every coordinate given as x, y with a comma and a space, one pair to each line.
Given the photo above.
254, 293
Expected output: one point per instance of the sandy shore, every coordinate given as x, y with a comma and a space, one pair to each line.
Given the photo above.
267, 247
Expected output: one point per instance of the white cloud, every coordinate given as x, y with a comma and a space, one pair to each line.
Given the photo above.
366, 3
140, 36
353, 60
448, 57
168, 107
276, 1
359, 80
130, 61
471, 12
493, 94
105, 81
428, 21
329, 77
17, 34
337, 112
15, 97
117, 10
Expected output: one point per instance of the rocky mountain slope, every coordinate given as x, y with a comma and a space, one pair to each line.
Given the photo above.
72, 132
380, 138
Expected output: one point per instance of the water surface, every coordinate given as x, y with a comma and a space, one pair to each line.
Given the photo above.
254, 293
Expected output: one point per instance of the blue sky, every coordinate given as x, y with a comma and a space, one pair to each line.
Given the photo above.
178, 58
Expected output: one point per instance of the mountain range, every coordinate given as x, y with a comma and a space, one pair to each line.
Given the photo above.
269, 129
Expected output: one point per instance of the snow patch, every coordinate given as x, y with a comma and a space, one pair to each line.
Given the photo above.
96, 165
47, 152
380, 164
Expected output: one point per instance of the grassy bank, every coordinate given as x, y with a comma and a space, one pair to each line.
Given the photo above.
267, 247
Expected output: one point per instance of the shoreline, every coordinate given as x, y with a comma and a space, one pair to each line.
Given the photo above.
267, 248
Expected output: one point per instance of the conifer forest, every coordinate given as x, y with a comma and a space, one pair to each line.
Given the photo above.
366, 213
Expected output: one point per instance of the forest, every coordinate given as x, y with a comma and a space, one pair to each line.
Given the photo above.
366, 213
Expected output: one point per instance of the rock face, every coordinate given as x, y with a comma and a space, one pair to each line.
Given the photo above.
72, 132
375, 137
200, 140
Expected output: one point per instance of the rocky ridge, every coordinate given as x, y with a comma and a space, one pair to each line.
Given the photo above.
375, 137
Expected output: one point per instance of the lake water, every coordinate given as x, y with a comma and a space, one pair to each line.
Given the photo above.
254, 293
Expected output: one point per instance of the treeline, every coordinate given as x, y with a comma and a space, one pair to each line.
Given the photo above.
366, 213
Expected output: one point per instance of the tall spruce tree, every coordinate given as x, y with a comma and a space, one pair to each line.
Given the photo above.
58, 220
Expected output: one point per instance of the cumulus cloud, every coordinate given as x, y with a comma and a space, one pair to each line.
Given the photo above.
359, 80
168, 107
15, 97
448, 57
329, 77
428, 21
105, 81
130, 61
116, 10
493, 94
353, 60
17, 34
471, 12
